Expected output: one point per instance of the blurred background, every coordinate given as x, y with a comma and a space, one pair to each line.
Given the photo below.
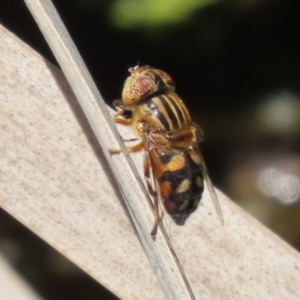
236, 64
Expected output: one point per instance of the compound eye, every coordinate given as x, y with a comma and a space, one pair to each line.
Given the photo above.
143, 82
136, 88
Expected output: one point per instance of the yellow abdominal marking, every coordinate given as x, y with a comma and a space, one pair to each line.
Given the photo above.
184, 205
177, 162
196, 157
199, 181
183, 186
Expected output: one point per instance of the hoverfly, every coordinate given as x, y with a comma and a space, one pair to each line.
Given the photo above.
173, 165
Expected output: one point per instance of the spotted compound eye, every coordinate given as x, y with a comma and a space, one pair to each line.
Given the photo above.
143, 82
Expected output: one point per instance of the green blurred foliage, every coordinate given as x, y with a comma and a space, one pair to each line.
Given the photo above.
153, 13
145, 14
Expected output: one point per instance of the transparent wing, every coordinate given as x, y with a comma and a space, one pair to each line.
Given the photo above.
150, 146
213, 194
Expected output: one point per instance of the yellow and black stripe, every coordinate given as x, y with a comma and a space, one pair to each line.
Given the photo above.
170, 111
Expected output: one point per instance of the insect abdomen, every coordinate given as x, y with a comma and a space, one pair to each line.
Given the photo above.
181, 184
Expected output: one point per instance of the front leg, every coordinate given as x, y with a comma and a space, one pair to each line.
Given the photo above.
121, 110
134, 148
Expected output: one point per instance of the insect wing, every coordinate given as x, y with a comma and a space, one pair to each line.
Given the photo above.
212, 193
150, 165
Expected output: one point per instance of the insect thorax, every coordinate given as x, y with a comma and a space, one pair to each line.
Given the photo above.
163, 113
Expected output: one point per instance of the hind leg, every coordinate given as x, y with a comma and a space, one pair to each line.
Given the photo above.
153, 193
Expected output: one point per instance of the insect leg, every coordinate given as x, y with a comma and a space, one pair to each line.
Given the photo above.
156, 217
130, 140
121, 109
134, 148
120, 120
152, 192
